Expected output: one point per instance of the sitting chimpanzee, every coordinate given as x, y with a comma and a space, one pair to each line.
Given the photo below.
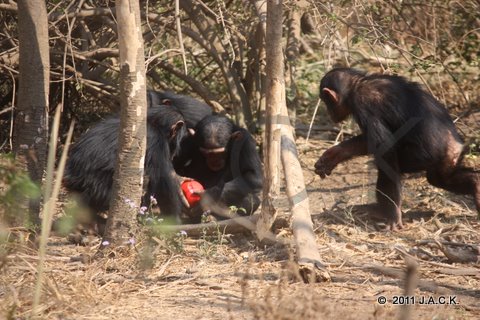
193, 110
91, 163
228, 166
405, 128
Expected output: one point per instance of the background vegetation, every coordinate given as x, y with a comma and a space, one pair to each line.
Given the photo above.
435, 42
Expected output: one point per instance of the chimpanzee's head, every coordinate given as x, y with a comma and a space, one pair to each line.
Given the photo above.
334, 89
171, 124
212, 135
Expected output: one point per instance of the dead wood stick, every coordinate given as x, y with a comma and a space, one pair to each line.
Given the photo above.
446, 243
234, 225
399, 273
411, 280
446, 268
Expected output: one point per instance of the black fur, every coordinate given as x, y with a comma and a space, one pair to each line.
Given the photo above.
404, 127
193, 110
383, 104
92, 159
240, 182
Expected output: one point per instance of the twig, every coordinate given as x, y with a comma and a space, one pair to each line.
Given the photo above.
50, 200
313, 118
6, 110
179, 33
446, 243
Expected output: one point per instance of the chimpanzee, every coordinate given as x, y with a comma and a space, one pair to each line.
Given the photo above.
92, 159
228, 166
404, 127
193, 110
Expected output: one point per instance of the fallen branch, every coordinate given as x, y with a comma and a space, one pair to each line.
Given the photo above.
234, 225
228, 226
455, 251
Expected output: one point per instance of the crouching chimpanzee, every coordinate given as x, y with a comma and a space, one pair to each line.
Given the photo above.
405, 128
226, 163
91, 162
193, 110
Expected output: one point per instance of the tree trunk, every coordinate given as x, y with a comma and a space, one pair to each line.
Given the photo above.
275, 97
260, 78
128, 177
31, 120
278, 125
292, 52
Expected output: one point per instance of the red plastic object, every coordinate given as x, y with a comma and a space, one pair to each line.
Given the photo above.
188, 187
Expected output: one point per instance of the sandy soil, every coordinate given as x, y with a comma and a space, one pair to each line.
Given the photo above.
234, 277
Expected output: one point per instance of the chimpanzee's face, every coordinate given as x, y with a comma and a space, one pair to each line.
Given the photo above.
215, 158
338, 113
336, 110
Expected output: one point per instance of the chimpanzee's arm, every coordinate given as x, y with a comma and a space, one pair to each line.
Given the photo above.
162, 179
346, 150
245, 167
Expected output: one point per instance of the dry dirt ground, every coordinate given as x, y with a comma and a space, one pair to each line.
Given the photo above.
232, 277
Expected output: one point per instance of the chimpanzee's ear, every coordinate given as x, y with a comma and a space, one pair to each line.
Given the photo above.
167, 102
176, 127
331, 94
237, 135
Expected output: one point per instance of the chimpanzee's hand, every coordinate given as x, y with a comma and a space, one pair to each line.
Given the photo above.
328, 161
181, 180
213, 194
209, 198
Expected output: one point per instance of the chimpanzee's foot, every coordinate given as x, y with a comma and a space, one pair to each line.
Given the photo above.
395, 225
393, 219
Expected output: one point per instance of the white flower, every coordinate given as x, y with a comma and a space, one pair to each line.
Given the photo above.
153, 200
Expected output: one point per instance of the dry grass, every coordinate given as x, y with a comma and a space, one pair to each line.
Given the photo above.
233, 277
237, 279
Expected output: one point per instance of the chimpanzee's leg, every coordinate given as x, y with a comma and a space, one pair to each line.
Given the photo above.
389, 198
389, 189
458, 179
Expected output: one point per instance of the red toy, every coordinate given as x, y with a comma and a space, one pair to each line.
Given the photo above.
188, 187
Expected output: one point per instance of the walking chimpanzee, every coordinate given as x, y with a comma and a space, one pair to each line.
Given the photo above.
91, 163
226, 163
405, 128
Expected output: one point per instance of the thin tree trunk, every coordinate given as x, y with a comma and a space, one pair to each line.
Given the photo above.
31, 121
275, 97
261, 79
278, 123
292, 52
128, 177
